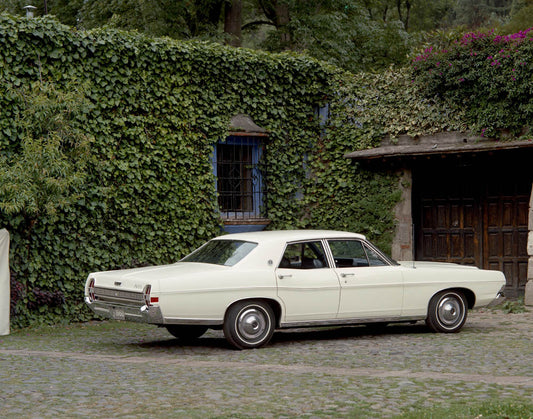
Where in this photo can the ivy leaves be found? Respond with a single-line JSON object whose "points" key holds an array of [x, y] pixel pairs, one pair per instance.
{"points": [[117, 170]]}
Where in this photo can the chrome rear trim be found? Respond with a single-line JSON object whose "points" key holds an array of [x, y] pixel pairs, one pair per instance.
{"points": [[118, 296]]}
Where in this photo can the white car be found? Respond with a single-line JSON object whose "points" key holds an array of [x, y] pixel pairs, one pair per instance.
{"points": [[250, 284]]}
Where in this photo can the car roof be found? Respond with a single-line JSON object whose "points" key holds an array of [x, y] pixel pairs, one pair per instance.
{"points": [[290, 235]]}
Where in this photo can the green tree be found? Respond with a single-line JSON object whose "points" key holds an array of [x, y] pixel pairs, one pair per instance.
{"points": [[342, 33], [48, 171], [521, 17], [481, 13], [358, 35]]}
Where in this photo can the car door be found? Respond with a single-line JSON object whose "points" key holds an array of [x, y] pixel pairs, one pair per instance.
{"points": [[308, 287], [371, 287]]}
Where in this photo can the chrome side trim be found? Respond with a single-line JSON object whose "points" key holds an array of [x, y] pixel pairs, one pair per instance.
{"points": [[199, 322], [341, 322]]}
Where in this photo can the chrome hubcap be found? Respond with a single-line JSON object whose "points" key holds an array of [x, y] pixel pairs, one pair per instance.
{"points": [[450, 311], [251, 324]]}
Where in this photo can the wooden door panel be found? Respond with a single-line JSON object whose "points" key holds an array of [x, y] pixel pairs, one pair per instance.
{"points": [[448, 231], [505, 236], [475, 215]]}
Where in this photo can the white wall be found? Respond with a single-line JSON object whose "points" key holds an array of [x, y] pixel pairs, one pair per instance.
{"points": [[529, 285], [4, 282]]}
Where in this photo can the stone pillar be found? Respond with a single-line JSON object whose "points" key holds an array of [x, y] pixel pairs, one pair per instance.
{"points": [[402, 243], [528, 299]]}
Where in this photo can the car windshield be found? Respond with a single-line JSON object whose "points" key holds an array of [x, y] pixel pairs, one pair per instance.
{"points": [[221, 252]]}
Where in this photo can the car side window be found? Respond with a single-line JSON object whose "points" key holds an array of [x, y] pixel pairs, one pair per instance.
{"points": [[348, 253], [305, 255], [354, 253], [374, 258]]}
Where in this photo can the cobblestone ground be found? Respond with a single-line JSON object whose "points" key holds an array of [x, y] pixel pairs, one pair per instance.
{"points": [[112, 369]]}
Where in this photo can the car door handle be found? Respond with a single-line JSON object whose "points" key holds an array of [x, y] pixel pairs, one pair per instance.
{"points": [[280, 276], [344, 275]]}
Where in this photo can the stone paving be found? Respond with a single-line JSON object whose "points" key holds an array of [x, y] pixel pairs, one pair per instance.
{"points": [[112, 369]]}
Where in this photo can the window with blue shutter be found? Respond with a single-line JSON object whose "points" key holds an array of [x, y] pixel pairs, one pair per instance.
{"points": [[240, 182]]}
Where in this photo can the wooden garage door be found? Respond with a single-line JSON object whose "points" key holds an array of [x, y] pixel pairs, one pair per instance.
{"points": [[474, 213]]}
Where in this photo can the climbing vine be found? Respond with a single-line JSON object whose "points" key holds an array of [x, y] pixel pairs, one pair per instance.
{"points": [[150, 111], [153, 110]]}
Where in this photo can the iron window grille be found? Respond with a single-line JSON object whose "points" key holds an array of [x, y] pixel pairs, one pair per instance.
{"points": [[240, 178]]}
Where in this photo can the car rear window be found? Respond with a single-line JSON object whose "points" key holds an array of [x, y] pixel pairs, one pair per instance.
{"points": [[221, 252]]}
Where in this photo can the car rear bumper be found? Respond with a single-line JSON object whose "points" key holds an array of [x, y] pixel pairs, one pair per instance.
{"points": [[141, 314]]}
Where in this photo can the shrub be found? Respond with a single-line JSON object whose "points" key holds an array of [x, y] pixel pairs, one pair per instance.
{"points": [[490, 75]]}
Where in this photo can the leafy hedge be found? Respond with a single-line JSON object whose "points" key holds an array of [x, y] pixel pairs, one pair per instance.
{"points": [[153, 109]]}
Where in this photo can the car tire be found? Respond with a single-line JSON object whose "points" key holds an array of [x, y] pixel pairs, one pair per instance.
{"points": [[447, 312], [249, 324], [186, 332]]}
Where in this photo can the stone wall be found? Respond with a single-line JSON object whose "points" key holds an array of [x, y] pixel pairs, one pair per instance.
{"points": [[402, 244]]}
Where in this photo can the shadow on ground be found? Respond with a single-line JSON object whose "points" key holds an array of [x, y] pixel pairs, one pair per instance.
{"points": [[281, 338], [289, 336]]}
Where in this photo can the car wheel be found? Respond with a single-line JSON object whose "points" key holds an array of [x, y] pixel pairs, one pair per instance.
{"points": [[249, 324], [447, 312], [186, 332]]}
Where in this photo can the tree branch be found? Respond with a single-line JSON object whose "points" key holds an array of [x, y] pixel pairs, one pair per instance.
{"points": [[257, 23]]}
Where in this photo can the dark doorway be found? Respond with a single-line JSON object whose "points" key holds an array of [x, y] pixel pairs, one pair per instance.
{"points": [[473, 210]]}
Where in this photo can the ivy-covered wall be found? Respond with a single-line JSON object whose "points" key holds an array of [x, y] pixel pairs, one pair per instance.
{"points": [[154, 109]]}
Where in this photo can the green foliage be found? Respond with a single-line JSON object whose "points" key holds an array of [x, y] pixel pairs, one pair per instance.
{"points": [[513, 306], [487, 75], [38, 179], [343, 33], [154, 109], [521, 17], [482, 13], [358, 35], [42, 177]]}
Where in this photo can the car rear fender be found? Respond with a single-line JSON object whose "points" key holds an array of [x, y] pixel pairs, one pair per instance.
{"points": [[275, 305]]}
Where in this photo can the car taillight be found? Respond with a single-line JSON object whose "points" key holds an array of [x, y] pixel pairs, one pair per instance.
{"points": [[91, 289], [146, 295]]}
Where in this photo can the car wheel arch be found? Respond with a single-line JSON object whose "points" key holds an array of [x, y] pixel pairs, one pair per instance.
{"points": [[467, 293], [274, 305]]}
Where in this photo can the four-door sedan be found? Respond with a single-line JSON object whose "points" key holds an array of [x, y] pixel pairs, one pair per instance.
{"points": [[250, 284]]}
